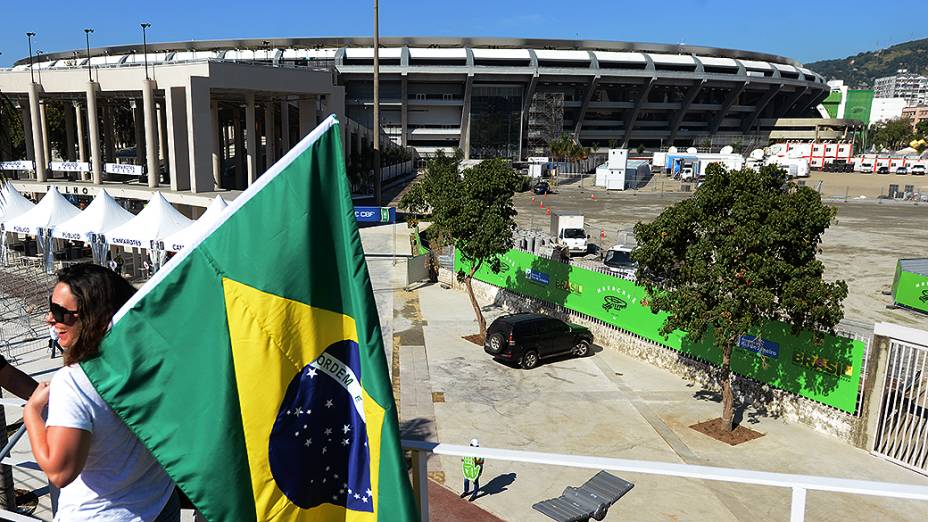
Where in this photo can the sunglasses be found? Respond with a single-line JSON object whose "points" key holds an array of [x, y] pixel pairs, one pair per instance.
{"points": [[61, 314]]}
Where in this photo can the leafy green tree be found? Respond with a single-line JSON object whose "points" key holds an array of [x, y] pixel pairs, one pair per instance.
{"points": [[892, 134], [921, 130], [470, 208], [737, 255]]}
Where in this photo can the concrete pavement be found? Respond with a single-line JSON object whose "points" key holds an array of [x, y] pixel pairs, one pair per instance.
{"points": [[612, 405]]}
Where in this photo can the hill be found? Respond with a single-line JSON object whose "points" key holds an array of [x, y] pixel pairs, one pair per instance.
{"points": [[860, 70]]}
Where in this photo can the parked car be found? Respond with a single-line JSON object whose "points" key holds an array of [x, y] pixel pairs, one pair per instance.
{"points": [[527, 338], [542, 187], [902, 170], [918, 170], [882, 170]]}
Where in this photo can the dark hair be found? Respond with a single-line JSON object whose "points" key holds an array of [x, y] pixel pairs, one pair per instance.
{"points": [[100, 293]]}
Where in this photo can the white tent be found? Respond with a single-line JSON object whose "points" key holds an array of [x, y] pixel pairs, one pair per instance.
{"points": [[155, 222], [12, 203], [53, 210], [102, 215], [189, 235]]}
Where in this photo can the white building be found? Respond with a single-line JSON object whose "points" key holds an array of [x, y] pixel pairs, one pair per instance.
{"points": [[912, 87], [885, 109]]}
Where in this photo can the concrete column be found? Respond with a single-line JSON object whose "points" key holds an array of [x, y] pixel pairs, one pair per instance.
{"points": [[335, 103], [175, 104], [138, 120], [27, 132], [109, 132], [38, 140], [68, 134], [151, 135], [284, 127], [239, 146], [307, 116], [81, 148], [200, 135], [162, 133], [217, 153], [46, 145], [93, 134], [270, 147], [251, 138], [404, 110]]}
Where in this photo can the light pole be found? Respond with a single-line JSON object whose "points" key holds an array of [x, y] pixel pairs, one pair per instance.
{"points": [[145, 47], [87, 38], [29, 36], [38, 55], [378, 189]]}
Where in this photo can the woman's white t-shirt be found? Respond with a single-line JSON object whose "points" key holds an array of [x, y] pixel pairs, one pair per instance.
{"points": [[120, 481]]}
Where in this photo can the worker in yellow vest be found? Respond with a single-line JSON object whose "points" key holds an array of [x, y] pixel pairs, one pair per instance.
{"points": [[472, 467]]}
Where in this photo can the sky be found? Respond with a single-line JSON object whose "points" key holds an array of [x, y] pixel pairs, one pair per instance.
{"points": [[802, 30]]}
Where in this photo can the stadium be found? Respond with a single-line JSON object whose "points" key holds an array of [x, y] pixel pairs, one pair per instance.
{"points": [[199, 102]]}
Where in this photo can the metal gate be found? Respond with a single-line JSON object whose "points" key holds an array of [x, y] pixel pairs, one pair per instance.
{"points": [[902, 433]]}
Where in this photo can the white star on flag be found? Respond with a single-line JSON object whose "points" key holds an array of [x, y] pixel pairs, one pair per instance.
{"points": [[311, 372], [346, 428], [328, 403]]}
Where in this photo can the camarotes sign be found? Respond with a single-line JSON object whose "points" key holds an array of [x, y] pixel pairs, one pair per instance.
{"points": [[828, 373], [69, 166], [121, 168]]}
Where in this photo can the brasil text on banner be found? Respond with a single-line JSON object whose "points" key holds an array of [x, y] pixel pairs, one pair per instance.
{"points": [[252, 365]]}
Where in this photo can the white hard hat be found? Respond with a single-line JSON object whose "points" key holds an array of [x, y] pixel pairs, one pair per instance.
{"points": [[474, 442]]}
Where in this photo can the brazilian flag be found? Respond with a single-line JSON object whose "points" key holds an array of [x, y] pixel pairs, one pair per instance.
{"points": [[252, 365]]}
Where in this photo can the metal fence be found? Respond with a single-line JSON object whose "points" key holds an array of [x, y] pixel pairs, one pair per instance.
{"points": [[797, 484], [24, 292]]}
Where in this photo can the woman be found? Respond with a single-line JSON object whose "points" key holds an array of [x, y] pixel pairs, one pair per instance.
{"points": [[103, 470]]}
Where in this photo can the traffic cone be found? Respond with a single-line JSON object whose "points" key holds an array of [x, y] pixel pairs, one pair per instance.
{"points": [[548, 212], [541, 204], [593, 197], [533, 198]]}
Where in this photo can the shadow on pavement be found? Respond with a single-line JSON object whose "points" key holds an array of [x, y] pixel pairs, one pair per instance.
{"points": [[497, 485]]}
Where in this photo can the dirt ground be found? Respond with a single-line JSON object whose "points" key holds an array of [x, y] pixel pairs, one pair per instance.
{"points": [[861, 247]]}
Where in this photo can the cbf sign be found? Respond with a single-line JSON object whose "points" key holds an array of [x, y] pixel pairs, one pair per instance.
{"points": [[375, 214]]}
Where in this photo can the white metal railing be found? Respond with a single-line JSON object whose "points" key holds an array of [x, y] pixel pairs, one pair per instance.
{"points": [[798, 484]]}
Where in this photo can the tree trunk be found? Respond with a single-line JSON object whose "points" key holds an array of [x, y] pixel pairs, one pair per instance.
{"points": [[468, 282], [728, 399]]}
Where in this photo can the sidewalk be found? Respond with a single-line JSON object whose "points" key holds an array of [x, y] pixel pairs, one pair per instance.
{"points": [[612, 405]]}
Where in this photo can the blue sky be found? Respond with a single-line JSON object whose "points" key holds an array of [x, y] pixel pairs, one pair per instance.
{"points": [[803, 30]]}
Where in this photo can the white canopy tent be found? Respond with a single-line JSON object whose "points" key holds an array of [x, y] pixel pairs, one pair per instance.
{"points": [[41, 219], [12, 205], [158, 220], [180, 240], [94, 223]]}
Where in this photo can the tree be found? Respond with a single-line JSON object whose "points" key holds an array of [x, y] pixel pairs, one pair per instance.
{"points": [[921, 130], [471, 208], [892, 134], [739, 254]]}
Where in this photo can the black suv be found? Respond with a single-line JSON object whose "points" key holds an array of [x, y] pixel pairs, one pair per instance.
{"points": [[527, 338], [542, 187]]}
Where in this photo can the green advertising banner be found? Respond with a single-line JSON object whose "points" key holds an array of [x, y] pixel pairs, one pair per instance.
{"points": [[828, 373], [910, 288]]}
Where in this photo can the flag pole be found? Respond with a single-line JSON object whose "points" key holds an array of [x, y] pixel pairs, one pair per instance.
{"points": [[378, 182]]}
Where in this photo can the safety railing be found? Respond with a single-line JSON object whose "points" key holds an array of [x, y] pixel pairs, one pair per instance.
{"points": [[798, 484]]}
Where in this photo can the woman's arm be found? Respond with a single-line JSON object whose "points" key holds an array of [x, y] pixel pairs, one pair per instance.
{"points": [[60, 452]]}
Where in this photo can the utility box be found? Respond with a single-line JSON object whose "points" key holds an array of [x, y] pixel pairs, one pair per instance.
{"points": [[910, 285], [618, 158]]}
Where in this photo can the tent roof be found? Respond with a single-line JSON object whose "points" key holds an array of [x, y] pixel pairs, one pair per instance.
{"points": [[187, 236], [155, 222], [12, 203], [102, 215], [53, 210]]}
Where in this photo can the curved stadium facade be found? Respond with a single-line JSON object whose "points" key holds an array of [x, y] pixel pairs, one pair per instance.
{"points": [[508, 97]]}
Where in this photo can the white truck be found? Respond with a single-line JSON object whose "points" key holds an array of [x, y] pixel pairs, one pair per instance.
{"points": [[569, 231], [619, 260]]}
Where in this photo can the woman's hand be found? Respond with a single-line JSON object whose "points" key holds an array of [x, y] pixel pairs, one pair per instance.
{"points": [[39, 398]]}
